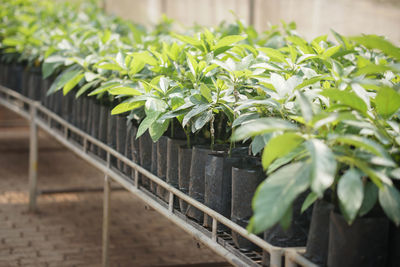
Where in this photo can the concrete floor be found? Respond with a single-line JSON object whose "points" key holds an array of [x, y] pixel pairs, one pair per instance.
{"points": [[67, 229]]}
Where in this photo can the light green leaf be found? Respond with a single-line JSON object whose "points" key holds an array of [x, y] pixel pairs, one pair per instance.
{"points": [[196, 111], [261, 126], [279, 146], [350, 192], [283, 185], [305, 106], [61, 80], [206, 92], [273, 54], [346, 98], [73, 82], [104, 87], [228, 40], [377, 42], [323, 166], [124, 90], [360, 142], [389, 198], [125, 107], [387, 102], [202, 120], [157, 129]]}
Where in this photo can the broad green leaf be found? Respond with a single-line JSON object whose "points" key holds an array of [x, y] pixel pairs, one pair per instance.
{"points": [[273, 54], [261, 126], [331, 51], [147, 122], [312, 81], [350, 192], [377, 42], [136, 66], [370, 198], [323, 166], [61, 80], [202, 120], [305, 106], [286, 220], [360, 142], [296, 154], [228, 40], [73, 82], [284, 185], [389, 198], [157, 129], [125, 107], [373, 69], [110, 66], [104, 87], [124, 90], [84, 88], [346, 98], [196, 111], [310, 199], [206, 92], [192, 63], [387, 102], [279, 146]]}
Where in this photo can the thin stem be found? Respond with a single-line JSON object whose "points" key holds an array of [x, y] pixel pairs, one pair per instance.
{"points": [[212, 132]]}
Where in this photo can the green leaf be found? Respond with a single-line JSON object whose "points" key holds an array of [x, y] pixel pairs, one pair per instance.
{"points": [[311, 198], [283, 185], [73, 82], [104, 87], [206, 92], [125, 107], [389, 198], [360, 142], [377, 42], [273, 54], [84, 88], [157, 129], [305, 106], [346, 98], [202, 120], [286, 220], [147, 122], [261, 126], [370, 198], [373, 69], [331, 51], [311, 81], [350, 192], [136, 66], [323, 166], [387, 102], [228, 40], [279, 146], [196, 111], [61, 80], [124, 90]]}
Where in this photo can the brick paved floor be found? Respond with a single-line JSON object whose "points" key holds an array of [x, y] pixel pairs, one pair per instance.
{"points": [[67, 229]]}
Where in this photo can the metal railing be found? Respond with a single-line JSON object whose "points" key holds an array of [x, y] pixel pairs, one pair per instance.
{"points": [[40, 116]]}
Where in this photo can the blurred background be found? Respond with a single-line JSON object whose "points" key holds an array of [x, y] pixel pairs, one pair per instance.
{"points": [[313, 17]]}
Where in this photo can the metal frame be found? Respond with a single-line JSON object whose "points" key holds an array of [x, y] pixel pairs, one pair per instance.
{"points": [[41, 117]]}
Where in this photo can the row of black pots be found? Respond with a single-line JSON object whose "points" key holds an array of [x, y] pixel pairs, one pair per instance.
{"points": [[223, 182], [368, 241]]}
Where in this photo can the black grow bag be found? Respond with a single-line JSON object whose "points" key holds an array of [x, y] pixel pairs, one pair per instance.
{"points": [[121, 130], [172, 176], [184, 163], [145, 152], [364, 243], [162, 147], [246, 176], [218, 182], [318, 236]]}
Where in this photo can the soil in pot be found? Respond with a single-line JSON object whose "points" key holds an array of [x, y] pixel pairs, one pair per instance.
{"points": [[363, 243], [246, 176], [318, 236], [184, 163], [218, 182], [296, 234]]}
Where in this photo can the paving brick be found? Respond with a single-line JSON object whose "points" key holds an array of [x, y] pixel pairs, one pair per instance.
{"points": [[67, 229]]}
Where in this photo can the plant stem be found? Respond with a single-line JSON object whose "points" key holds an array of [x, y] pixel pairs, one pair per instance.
{"points": [[212, 132]]}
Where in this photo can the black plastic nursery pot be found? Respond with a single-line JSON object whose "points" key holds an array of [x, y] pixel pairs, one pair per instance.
{"points": [[218, 182], [172, 176], [16, 77], [127, 149], [394, 246], [121, 130], [102, 135], [184, 163], [153, 165], [196, 183], [111, 135], [135, 145], [318, 236], [145, 156], [246, 176], [296, 234], [162, 149], [363, 243], [34, 83]]}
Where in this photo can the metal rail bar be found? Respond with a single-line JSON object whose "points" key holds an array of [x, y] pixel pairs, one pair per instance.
{"points": [[16, 102]]}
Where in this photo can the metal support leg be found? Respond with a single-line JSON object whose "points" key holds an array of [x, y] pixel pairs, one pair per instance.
{"points": [[33, 159], [106, 221]]}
